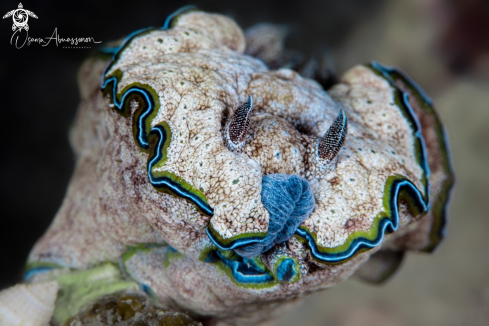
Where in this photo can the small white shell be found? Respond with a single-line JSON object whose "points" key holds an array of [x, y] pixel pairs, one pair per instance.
{"points": [[28, 304]]}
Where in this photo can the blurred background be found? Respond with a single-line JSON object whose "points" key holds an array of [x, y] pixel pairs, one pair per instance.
{"points": [[442, 44]]}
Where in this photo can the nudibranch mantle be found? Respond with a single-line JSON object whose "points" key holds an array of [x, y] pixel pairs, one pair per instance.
{"points": [[155, 168], [384, 139]]}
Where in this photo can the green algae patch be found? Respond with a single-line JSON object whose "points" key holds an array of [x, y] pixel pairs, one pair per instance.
{"points": [[171, 254], [80, 288], [141, 247]]}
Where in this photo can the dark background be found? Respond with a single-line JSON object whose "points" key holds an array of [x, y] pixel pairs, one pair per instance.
{"points": [[443, 44]]}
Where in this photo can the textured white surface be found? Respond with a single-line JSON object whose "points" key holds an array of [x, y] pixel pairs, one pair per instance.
{"points": [[28, 304]]}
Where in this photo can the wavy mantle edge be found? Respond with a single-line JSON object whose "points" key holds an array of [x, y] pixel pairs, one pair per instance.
{"points": [[439, 205], [302, 232]]}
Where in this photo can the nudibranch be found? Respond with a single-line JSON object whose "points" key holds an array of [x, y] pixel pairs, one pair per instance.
{"points": [[220, 187]]}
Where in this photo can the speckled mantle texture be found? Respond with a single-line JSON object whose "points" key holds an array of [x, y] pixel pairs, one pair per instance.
{"points": [[156, 134]]}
